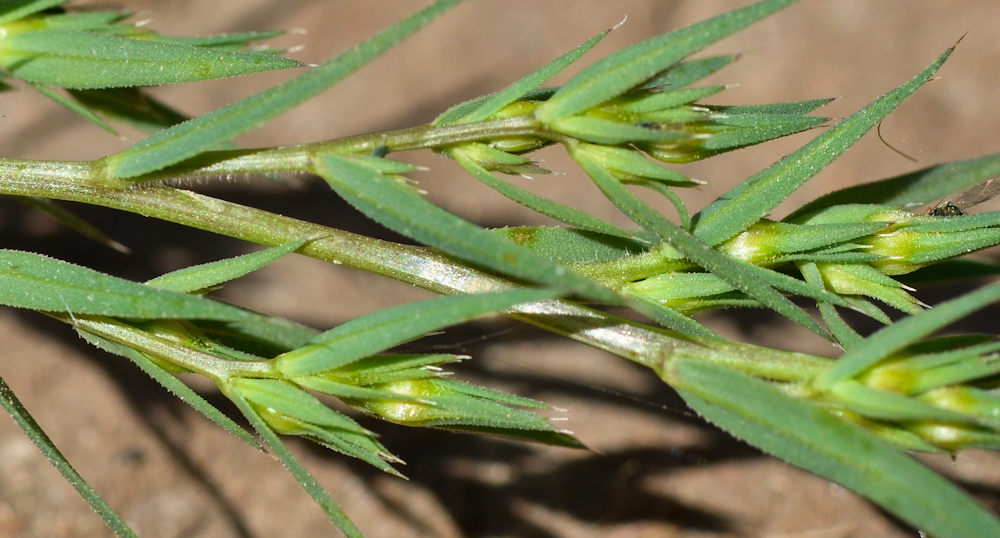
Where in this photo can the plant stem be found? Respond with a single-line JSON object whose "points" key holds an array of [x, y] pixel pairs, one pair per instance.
{"points": [[422, 267]]}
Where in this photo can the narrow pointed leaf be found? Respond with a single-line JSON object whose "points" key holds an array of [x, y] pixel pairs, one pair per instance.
{"points": [[530, 82], [69, 58], [670, 318], [74, 106], [38, 437], [754, 281], [688, 72], [632, 66], [11, 10], [924, 186], [897, 336], [794, 108], [550, 208], [401, 209], [214, 273], [294, 466], [753, 199], [133, 107], [805, 435], [72, 221], [387, 328], [171, 383], [191, 138], [37, 282]]}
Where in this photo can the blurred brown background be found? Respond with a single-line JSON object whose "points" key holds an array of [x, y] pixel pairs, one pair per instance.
{"points": [[655, 470]]}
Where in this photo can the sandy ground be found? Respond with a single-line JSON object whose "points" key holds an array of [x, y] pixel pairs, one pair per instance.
{"points": [[655, 470]]}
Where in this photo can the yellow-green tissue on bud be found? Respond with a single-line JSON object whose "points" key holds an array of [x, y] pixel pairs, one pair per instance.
{"points": [[453, 405], [936, 395], [289, 410], [493, 159]]}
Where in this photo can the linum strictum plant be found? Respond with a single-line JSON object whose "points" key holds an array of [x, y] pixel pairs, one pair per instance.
{"points": [[623, 120]]}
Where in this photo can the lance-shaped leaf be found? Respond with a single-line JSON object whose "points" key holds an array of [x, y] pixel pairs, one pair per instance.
{"points": [[167, 381], [402, 209], [897, 336], [384, 329], [39, 438], [515, 91], [69, 58], [133, 107], [921, 187], [11, 10], [809, 437], [548, 207], [210, 274], [37, 282], [756, 282], [193, 137], [753, 199], [294, 466], [634, 65]]}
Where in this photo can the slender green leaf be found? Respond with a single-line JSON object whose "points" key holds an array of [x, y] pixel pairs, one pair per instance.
{"points": [[27, 423], [84, 20], [168, 381], [632, 66], [294, 466], [689, 72], [259, 334], [12, 10], [454, 112], [211, 274], [794, 108], [72, 221], [568, 245], [227, 41], [809, 437], [754, 281], [193, 137], [530, 82], [37, 282], [921, 187], [74, 106], [390, 327], [133, 107], [670, 318], [753, 199], [400, 208], [897, 336], [77, 59], [951, 271], [550, 208], [846, 336]]}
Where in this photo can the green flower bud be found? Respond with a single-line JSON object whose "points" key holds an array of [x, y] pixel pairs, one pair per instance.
{"points": [[289, 410], [495, 160], [629, 166], [863, 279]]}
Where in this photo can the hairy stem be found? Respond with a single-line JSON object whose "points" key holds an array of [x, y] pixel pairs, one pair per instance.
{"points": [[422, 267]]}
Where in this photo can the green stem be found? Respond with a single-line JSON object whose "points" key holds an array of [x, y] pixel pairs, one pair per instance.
{"points": [[299, 158], [418, 266], [193, 360]]}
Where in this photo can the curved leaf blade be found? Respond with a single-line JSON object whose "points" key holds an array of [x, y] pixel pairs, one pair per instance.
{"points": [[753, 199], [190, 138], [38, 437], [211, 274], [390, 327], [808, 437], [638, 63], [400, 208], [38, 282], [69, 58]]}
